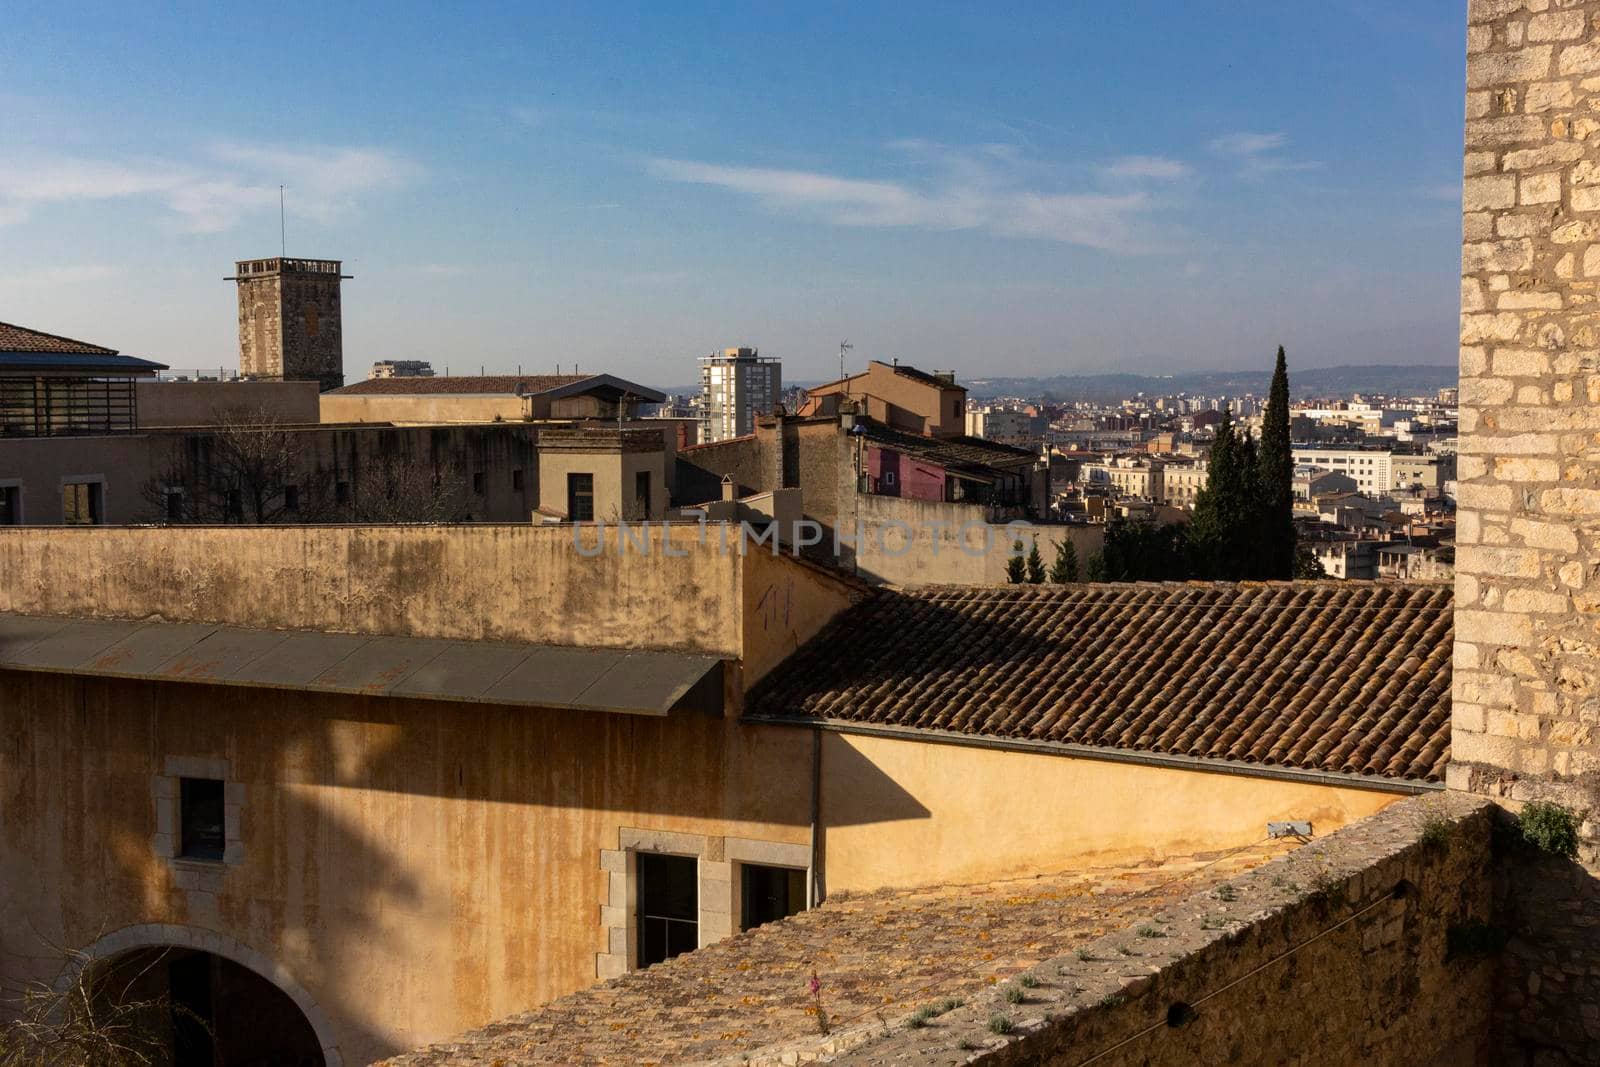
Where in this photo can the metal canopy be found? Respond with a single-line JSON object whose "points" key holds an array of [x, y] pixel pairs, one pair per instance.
{"points": [[629, 681]]}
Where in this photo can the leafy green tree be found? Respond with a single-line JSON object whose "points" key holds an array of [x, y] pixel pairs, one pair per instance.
{"points": [[1065, 567], [1035, 564], [1222, 533], [1275, 462], [1141, 551], [1095, 569], [1015, 573], [1306, 563]]}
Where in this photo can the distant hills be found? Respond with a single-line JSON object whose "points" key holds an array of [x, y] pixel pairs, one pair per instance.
{"points": [[1390, 379], [1320, 381]]}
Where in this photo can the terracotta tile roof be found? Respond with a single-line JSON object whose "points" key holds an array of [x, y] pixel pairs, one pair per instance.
{"points": [[465, 383], [1323, 676], [877, 956], [21, 339]]}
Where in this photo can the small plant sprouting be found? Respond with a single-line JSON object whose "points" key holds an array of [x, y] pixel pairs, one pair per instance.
{"points": [[920, 1018], [1213, 922], [1083, 953], [1328, 886], [1027, 981], [948, 1004], [1148, 930], [965, 1046], [1436, 831], [1111, 1000], [999, 1024], [1551, 827], [1015, 995], [1125, 950], [1226, 892]]}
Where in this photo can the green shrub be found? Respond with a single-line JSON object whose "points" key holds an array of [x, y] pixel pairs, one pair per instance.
{"points": [[1551, 827], [999, 1024], [1015, 995]]}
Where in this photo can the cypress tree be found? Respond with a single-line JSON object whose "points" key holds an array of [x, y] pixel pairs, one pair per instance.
{"points": [[1065, 567], [1220, 533], [1276, 464], [1015, 573], [1035, 564]]}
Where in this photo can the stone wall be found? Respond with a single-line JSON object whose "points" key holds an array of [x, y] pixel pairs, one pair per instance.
{"points": [[1365, 947], [1528, 557]]}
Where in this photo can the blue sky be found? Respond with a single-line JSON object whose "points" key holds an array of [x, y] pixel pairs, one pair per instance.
{"points": [[1060, 188]]}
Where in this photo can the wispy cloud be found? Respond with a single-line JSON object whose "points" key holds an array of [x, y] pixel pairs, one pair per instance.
{"points": [[1257, 153], [66, 274], [212, 193], [983, 190], [1158, 168]]}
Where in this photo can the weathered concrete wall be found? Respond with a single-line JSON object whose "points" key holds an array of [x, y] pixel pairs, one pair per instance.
{"points": [[201, 403], [430, 409], [1528, 534], [670, 587], [1362, 948], [417, 868], [919, 542], [982, 814], [520, 583], [129, 465]]}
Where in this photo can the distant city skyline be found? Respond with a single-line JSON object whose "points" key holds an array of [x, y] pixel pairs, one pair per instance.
{"points": [[1155, 188]]}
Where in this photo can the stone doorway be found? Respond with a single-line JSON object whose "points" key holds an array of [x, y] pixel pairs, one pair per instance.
{"points": [[209, 1011]]}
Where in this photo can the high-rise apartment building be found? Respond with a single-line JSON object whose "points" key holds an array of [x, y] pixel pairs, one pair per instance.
{"points": [[736, 385]]}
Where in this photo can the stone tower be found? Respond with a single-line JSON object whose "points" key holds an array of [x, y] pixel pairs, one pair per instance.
{"points": [[289, 322], [1526, 716]]}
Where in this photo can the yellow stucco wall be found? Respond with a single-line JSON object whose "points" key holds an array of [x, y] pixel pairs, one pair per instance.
{"points": [[906, 813], [422, 408], [419, 868]]}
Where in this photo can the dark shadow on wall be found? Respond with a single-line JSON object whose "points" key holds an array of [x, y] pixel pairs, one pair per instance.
{"points": [[1547, 985]]}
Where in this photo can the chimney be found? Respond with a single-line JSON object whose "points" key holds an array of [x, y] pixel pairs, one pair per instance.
{"points": [[777, 449], [730, 491]]}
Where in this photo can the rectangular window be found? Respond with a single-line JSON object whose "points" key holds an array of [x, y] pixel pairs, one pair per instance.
{"points": [[477, 482], [10, 505], [768, 894], [341, 492], [641, 493], [174, 502], [669, 906], [201, 821], [80, 504], [291, 498], [580, 497], [516, 479]]}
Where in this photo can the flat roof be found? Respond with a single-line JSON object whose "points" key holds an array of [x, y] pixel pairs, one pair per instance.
{"points": [[628, 681]]}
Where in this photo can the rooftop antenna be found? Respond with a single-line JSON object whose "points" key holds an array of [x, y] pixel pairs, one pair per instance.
{"points": [[283, 227], [844, 346]]}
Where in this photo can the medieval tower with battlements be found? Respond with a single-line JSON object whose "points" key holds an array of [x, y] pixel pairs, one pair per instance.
{"points": [[289, 320]]}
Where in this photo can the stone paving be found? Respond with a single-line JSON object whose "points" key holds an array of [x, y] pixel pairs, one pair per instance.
{"points": [[874, 957]]}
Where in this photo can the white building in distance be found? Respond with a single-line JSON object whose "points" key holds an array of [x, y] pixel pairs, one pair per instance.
{"points": [[736, 385]]}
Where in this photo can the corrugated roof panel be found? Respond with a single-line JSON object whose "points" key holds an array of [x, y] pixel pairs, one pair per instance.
{"points": [[73, 643], [463, 668], [380, 664], [220, 654], [557, 675], [299, 659]]}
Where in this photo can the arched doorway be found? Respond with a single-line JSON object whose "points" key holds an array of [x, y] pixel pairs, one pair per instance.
{"points": [[205, 1010]]}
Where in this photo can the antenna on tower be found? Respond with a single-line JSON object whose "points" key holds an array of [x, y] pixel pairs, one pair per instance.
{"points": [[844, 346], [283, 228]]}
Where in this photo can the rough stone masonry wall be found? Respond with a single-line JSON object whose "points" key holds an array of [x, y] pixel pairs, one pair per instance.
{"points": [[1361, 948], [1527, 661]]}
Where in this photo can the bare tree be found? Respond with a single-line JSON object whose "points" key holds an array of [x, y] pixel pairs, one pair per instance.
{"points": [[392, 489], [73, 1020], [250, 467]]}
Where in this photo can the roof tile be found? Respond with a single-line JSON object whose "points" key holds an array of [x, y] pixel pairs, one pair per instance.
{"points": [[1348, 677]]}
